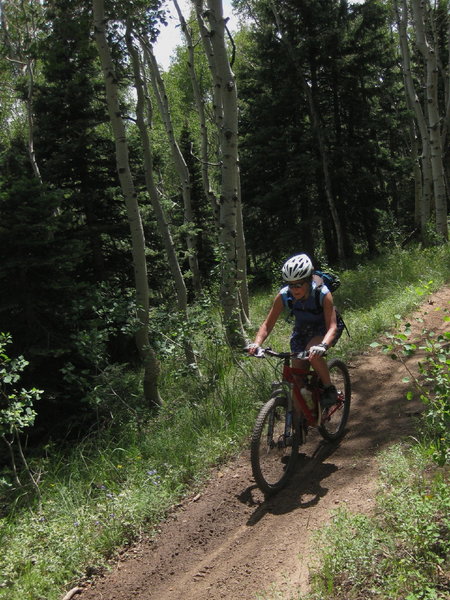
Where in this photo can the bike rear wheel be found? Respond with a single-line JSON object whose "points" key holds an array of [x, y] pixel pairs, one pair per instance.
{"points": [[335, 419], [273, 456]]}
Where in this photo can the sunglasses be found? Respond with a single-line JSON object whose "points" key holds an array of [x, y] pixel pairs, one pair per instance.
{"points": [[298, 284]]}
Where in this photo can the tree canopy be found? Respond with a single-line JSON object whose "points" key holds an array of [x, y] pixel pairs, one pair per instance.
{"points": [[320, 126]]}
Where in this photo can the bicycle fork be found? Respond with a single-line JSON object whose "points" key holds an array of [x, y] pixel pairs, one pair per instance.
{"points": [[295, 422], [284, 390]]}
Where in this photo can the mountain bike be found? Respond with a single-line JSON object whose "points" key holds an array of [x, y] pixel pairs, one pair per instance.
{"points": [[283, 422]]}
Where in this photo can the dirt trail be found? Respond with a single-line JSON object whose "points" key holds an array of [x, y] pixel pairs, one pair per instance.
{"points": [[228, 542]]}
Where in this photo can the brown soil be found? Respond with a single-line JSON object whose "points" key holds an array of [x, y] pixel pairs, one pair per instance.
{"points": [[229, 542]]}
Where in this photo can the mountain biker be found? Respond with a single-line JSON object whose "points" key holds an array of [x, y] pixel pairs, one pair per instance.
{"points": [[314, 330]]}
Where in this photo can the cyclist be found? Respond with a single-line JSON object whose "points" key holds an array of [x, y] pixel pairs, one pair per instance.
{"points": [[314, 330]]}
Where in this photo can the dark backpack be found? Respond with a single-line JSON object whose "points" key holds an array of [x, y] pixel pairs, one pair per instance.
{"points": [[331, 280]]}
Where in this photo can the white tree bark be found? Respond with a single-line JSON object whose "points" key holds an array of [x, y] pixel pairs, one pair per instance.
{"points": [[241, 256], [151, 366], [178, 159], [160, 215], [412, 99], [200, 107], [429, 50], [226, 110], [19, 54]]}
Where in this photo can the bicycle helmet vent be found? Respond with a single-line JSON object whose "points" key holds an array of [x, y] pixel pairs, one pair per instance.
{"points": [[297, 267]]}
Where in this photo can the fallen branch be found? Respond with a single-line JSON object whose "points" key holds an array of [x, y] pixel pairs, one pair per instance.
{"points": [[72, 592]]}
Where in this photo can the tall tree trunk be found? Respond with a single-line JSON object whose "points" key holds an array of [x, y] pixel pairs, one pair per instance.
{"points": [[151, 365], [200, 107], [160, 215], [415, 106], [218, 112], [446, 124], [420, 217], [30, 119], [429, 50], [20, 53], [225, 99], [178, 159], [241, 252]]}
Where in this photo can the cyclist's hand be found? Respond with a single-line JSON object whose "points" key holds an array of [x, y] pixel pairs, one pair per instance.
{"points": [[318, 350], [254, 350]]}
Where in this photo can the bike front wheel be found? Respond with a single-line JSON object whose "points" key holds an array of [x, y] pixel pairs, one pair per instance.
{"points": [[274, 447], [335, 418]]}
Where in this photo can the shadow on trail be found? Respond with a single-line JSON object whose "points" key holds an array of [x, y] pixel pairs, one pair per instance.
{"points": [[304, 489], [379, 416]]}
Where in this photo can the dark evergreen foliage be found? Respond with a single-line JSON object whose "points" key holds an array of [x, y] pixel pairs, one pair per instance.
{"points": [[347, 55], [66, 271], [67, 254]]}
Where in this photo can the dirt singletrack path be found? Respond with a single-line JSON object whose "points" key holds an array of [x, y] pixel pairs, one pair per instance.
{"points": [[228, 542]]}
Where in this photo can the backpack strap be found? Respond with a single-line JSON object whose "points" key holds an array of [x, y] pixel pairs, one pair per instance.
{"points": [[288, 302], [317, 295]]}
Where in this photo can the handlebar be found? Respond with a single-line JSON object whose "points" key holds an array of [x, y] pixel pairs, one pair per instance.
{"points": [[262, 352]]}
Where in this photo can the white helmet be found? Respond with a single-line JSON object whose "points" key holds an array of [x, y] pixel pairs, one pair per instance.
{"points": [[297, 267]]}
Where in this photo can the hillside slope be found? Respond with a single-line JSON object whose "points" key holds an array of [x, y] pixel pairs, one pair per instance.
{"points": [[227, 542]]}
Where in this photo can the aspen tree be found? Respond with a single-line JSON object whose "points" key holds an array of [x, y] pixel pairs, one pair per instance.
{"points": [[151, 365], [231, 243], [143, 108]]}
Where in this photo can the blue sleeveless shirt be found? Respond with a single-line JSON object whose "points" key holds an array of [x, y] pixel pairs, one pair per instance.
{"points": [[309, 319]]}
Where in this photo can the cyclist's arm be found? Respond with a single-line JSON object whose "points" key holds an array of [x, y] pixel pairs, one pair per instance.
{"points": [[271, 319], [330, 319]]}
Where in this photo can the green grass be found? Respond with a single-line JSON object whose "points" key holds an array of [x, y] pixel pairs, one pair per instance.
{"points": [[400, 553], [120, 481]]}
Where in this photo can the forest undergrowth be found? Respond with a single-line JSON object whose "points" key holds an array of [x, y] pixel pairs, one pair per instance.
{"points": [[121, 479]]}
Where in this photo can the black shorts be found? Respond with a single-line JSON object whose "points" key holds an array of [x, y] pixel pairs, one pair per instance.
{"points": [[300, 339]]}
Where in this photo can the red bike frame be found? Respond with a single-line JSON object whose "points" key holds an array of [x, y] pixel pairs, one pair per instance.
{"points": [[299, 377]]}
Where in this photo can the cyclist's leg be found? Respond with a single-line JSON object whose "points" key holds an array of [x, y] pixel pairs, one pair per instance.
{"points": [[318, 363]]}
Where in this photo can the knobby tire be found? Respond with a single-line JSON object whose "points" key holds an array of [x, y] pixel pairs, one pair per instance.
{"points": [[272, 461], [333, 426]]}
